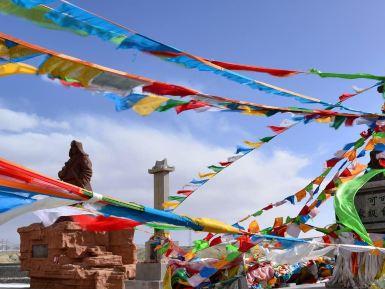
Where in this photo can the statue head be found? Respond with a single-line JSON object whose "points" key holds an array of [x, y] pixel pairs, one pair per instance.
{"points": [[76, 149]]}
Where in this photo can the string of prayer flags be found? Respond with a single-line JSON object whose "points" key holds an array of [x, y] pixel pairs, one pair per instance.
{"points": [[67, 16], [308, 212], [19, 186], [346, 96], [240, 152], [119, 86]]}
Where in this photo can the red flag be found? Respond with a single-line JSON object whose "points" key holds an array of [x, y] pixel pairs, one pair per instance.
{"points": [[245, 244], [192, 104], [208, 237], [330, 185], [366, 133], [73, 84], [280, 231], [268, 207], [349, 120], [235, 66], [332, 162], [216, 241], [346, 96], [326, 239], [271, 71], [103, 224], [346, 173], [277, 129], [305, 210], [185, 192], [168, 89], [225, 164]]}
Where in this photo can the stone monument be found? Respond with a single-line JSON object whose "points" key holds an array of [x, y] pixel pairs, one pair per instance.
{"points": [[63, 256], [370, 199], [149, 274]]}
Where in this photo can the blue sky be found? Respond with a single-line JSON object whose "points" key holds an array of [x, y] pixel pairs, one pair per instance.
{"points": [[338, 36]]}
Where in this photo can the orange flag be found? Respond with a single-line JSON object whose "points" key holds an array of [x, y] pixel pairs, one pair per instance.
{"points": [[300, 195], [278, 222], [305, 228], [351, 155], [254, 227]]}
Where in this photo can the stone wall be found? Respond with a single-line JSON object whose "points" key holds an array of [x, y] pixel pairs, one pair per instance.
{"points": [[64, 256]]}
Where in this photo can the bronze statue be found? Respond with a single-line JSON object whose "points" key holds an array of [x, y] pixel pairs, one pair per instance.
{"points": [[374, 162], [78, 169]]}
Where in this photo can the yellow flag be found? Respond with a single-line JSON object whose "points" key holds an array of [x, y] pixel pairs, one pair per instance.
{"points": [[253, 145], [248, 111], [66, 69], [170, 204], [215, 226], [189, 255], [17, 51], [206, 175], [16, 68], [167, 279], [346, 179], [324, 119], [147, 105]]}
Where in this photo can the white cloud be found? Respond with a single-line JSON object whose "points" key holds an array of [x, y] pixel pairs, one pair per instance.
{"points": [[19, 121], [122, 153]]}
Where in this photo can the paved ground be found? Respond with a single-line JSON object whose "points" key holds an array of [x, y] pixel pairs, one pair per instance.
{"points": [[309, 286]]}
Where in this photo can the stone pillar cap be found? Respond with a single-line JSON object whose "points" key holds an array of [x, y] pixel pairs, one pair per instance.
{"points": [[161, 166]]}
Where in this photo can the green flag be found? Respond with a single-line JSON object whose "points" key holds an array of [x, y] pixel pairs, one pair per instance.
{"points": [[216, 169], [347, 75], [267, 138], [344, 204], [170, 104]]}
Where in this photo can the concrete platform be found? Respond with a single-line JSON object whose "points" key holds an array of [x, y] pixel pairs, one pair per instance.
{"points": [[310, 286], [14, 286]]}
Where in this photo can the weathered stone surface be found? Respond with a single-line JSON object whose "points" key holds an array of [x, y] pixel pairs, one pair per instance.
{"points": [[77, 259], [370, 204]]}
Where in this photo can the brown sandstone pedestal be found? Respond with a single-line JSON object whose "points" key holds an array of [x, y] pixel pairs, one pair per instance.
{"points": [[64, 256]]}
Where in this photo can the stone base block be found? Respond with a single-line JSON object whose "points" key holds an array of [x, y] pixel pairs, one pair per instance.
{"points": [[142, 284], [150, 271]]}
